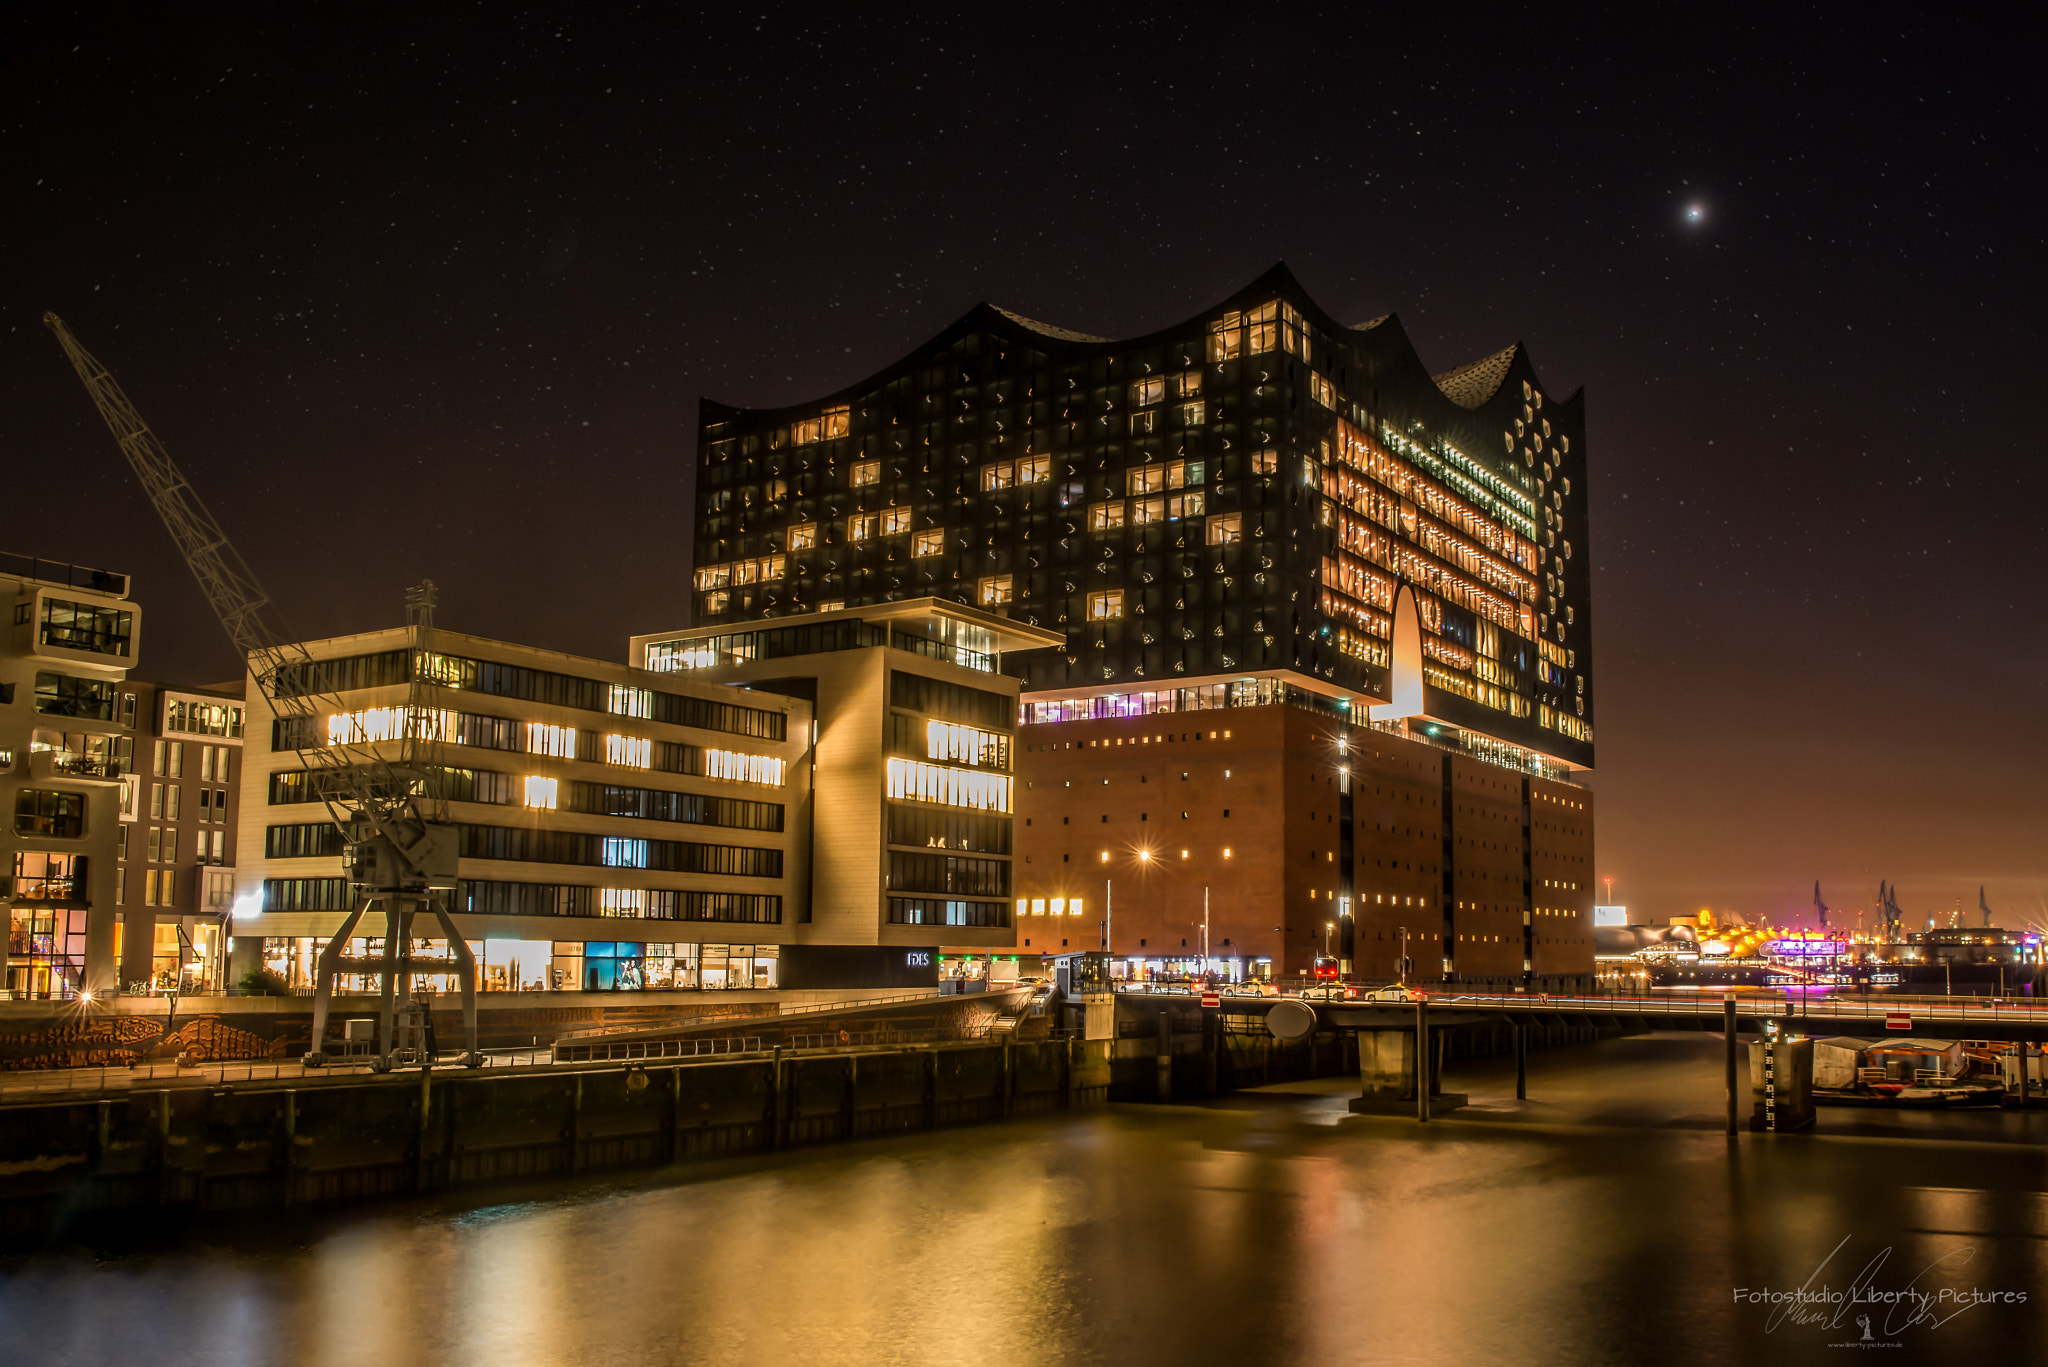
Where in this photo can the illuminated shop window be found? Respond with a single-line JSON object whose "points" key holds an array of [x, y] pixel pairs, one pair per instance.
{"points": [[1106, 604]]}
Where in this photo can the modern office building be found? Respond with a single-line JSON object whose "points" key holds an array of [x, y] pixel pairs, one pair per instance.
{"points": [[618, 830], [73, 638], [180, 807], [1364, 588], [913, 839]]}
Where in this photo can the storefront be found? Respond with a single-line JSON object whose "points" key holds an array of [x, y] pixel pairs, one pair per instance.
{"points": [[550, 965]]}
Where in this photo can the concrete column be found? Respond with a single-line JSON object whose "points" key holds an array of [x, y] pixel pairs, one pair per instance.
{"points": [[1165, 1057], [1386, 1065], [138, 944], [1728, 1027]]}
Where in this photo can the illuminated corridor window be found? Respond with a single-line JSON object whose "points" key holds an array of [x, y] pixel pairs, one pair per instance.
{"points": [[543, 739], [916, 782], [993, 590], [867, 472], [1226, 529], [635, 752], [1109, 603], [540, 792], [928, 543], [803, 538]]}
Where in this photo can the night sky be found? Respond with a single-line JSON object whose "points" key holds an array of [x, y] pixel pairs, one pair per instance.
{"points": [[433, 291]]}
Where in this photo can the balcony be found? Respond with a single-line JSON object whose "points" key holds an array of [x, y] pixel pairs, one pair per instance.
{"points": [[69, 764], [67, 891]]}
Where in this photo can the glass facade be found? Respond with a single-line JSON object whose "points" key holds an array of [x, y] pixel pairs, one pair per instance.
{"points": [[1247, 493]]}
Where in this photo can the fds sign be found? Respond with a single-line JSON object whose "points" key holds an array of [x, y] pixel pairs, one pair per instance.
{"points": [[918, 958]]}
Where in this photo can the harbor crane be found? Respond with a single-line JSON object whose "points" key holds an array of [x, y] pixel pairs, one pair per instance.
{"points": [[1820, 908], [393, 832]]}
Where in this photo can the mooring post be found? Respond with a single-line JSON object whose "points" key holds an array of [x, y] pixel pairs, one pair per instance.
{"points": [[1422, 1078], [1728, 1027], [1521, 1064]]}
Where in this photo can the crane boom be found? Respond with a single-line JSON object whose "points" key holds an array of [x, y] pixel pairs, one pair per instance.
{"points": [[398, 845], [231, 587]]}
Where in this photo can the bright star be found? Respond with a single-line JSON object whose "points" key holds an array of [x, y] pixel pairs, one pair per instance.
{"points": [[1694, 213]]}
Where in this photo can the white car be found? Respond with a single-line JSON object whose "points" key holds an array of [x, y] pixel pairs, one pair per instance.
{"points": [[1392, 992]]}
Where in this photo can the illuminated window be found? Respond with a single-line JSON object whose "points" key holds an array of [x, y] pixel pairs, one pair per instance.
{"points": [[1193, 414], [716, 602], [861, 527], [993, 591], [1105, 517], [713, 576], [1106, 604], [540, 792], [621, 902], [1320, 390], [738, 768], [1145, 479], [1038, 906], [1145, 511], [1149, 390], [1059, 906], [543, 739], [916, 781], [635, 752], [1188, 384], [895, 521], [932, 542], [1034, 470], [867, 472], [1185, 505], [1265, 462], [801, 538], [998, 476], [1226, 529], [628, 701], [960, 744], [1074, 905], [619, 852]]}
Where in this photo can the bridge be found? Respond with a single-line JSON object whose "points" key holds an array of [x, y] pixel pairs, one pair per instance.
{"points": [[1394, 1036]]}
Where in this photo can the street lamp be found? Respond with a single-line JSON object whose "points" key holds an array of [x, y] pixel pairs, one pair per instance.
{"points": [[1328, 928], [1109, 905]]}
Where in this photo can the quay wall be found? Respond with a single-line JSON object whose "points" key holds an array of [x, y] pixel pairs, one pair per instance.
{"points": [[67, 1165]]}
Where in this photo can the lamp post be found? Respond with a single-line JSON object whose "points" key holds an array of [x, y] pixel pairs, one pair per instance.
{"points": [[1329, 927], [1109, 909]]}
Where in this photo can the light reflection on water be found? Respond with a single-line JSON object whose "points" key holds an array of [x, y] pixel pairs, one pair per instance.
{"points": [[1606, 1221]]}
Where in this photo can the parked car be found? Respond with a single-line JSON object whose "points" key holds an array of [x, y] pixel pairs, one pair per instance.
{"points": [[1392, 992], [1329, 992]]}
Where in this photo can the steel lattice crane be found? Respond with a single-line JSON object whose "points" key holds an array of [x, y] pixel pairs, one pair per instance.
{"points": [[399, 847]]}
